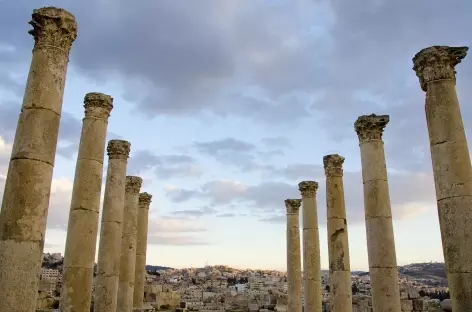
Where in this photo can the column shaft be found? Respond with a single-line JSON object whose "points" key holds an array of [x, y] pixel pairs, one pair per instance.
{"points": [[79, 256], [451, 166], [141, 248], [378, 215], [128, 245], [28, 184], [338, 244], [108, 265], [294, 265], [312, 289]]}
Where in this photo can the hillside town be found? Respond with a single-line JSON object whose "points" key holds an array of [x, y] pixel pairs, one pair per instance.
{"points": [[222, 288]]}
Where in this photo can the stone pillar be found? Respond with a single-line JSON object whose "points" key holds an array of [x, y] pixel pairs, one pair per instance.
{"points": [[435, 67], [28, 184], [312, 289], [109, 252], [141, 248], [294, 262], [338, 246], [128, 245], [81, 241], [378, 214]]}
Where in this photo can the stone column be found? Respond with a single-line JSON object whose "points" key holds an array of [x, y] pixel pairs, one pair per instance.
{"points": [[378, 214], [141, 248], [28, 184], [81, 241], [294, 262], [338, 246], [109, 252], [128, 245], [312, 289], [435, 67]]}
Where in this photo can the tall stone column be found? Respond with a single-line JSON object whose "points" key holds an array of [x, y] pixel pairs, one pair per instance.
{"points": [[109, 252], [128, 245], [312, 289], [338, 244], [141, 248], [28, 184], [378, 214], [81, 241], [294, 262], [435, 67]]}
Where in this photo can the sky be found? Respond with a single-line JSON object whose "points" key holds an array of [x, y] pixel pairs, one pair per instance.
{"points": [[228, 105]]}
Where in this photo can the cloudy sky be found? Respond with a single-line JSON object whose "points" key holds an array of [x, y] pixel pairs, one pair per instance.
{"points": [[228, 104]]}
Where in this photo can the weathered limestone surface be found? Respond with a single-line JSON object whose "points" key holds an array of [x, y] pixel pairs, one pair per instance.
{"points": [[378, 214], [435, 67], [128, 245], [294, 263], [28, 183], [312, 288], [79, 256], [338, 245], [141, 248], [109, 252]]}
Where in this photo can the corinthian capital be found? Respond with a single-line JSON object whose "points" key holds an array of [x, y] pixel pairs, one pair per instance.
{"points": [[437, 63], [370, 127], [308, 188], [145, 200], [53, 27], [118, 149], [133, 184], [333, 165], [293, 205], [98, 105]]}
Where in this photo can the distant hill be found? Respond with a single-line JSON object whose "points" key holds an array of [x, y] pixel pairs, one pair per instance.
{"points": [[427, 270], [157, 268]]}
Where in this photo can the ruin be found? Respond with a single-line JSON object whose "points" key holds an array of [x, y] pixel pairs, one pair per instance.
{"points": [[109, 251], [338, 245], [435, 68], [312, 291], [28, 184], [128, 245], [294, 262], [383, 269]]}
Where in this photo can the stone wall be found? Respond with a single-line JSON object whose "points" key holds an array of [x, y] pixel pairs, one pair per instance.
{"points": [[159, 295]]}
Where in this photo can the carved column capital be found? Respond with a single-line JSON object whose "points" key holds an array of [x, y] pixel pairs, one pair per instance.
{"points": [[293, 205], [133, 184], [437, 63], [145, 200], [308, 188], [118, 149], [333, 165], [53, 27], [371, 127], [98, 105]]}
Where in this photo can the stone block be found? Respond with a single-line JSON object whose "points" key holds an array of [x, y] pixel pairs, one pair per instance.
{"points": [[419, 304], [406, 305]]}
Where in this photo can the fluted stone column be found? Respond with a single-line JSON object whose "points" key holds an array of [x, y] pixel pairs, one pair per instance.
{"points": [[141, 248], [435, 67], [28, 183], [294, 262], [338, 245], [79, 256], [378, 214], [109, 252], [312, 289], [128, 245]]}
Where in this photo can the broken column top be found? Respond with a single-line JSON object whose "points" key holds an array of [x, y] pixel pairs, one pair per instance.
{"points": [[333, 165], [133, 184], [370, 127], [437, 63], [118, 149], [98, 105], [145, 199], [53, 27], [308, 188], [293, 205]]}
